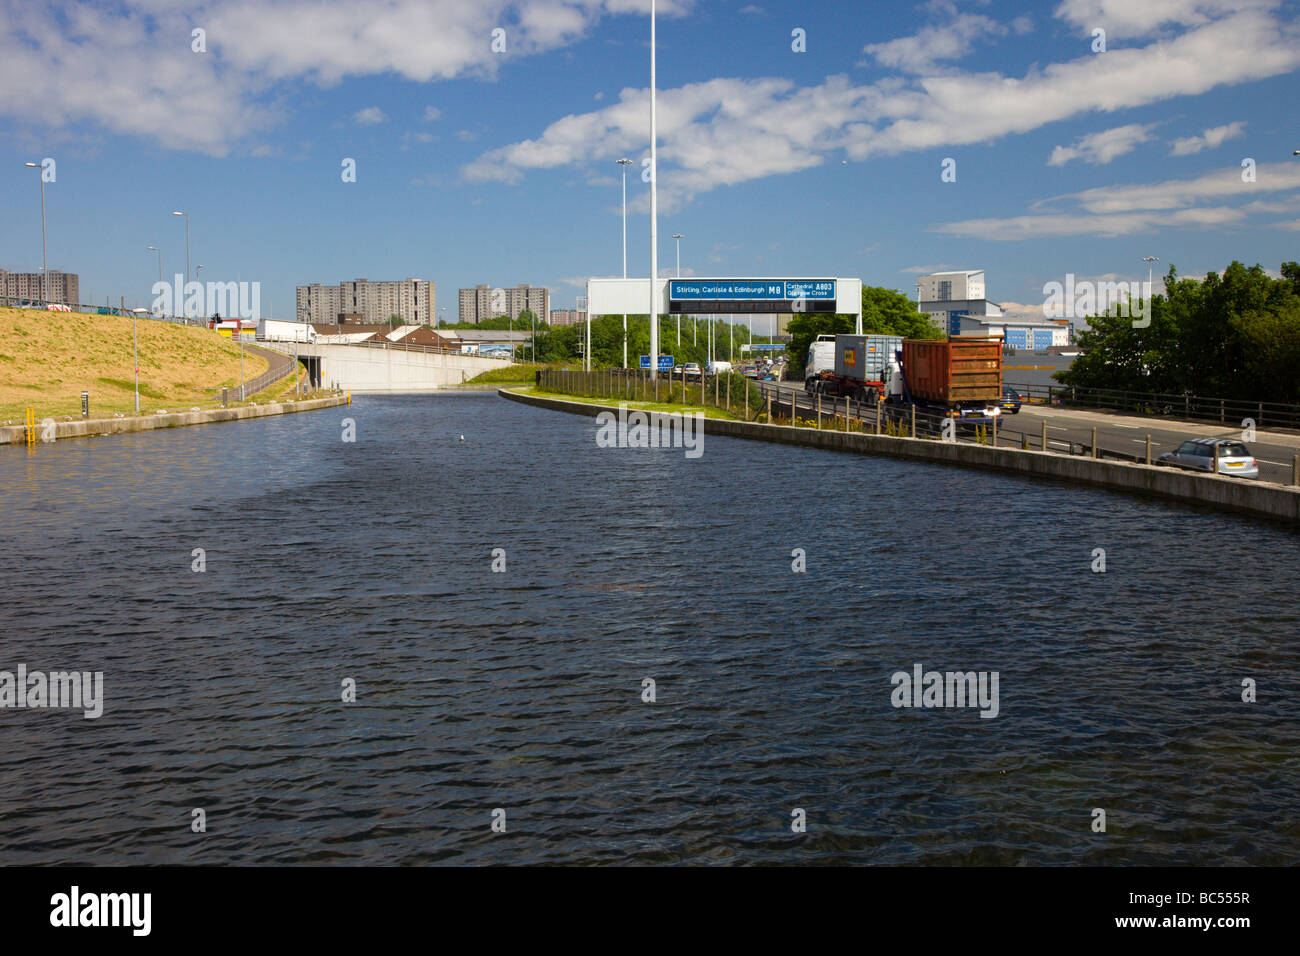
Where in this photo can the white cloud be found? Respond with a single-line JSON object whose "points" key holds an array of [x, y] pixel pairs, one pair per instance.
{"points": [[1100, 148], [1211, 138], [714, 133], [922, 51], [729, 131], [1219, 184], [1274, 206], [370, 116], [1140, 208], [1021, 310], [431, 113], [127, 67], [926, 270], [1139, 18]]}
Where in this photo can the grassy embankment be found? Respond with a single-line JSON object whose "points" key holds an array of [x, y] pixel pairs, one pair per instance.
{"points": [[510, 375], [48, 358]]}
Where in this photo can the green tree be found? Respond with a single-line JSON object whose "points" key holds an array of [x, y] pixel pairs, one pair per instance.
{"points": [[889, 312], [1235, 336], [884, 312]]}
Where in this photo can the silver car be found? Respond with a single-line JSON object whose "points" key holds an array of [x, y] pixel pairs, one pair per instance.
{"points": [[1198, 454]]}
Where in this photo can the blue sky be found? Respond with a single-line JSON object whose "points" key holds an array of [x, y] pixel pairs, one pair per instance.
{"points": [[498, 167]]}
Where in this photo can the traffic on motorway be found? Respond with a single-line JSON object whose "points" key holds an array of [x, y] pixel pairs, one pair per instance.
{"points": [[867, 368]]}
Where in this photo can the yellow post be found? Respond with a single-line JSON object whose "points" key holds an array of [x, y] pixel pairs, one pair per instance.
{"points": [[31, 426], [349, 396]]}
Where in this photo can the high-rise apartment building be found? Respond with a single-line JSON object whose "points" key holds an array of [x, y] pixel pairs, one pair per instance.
{"points": [[28, 285], [412, 300], [485, 302], [568, 316]]}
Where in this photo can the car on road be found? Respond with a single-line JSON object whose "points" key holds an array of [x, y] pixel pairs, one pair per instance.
{"points": [[691, 370], [1198, 455], [1010, 400]]}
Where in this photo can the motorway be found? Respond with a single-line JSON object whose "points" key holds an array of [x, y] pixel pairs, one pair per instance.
{"points": [[1070, 431]]}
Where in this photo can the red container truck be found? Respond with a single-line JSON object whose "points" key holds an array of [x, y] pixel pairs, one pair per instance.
{"points": [[958, 378]]}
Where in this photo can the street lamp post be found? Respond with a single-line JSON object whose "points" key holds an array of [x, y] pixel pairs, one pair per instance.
{"points": [[625, 163], [584, 303], [1150, 275], [45, 266], [198, 269], [677, 238], [159, 251], [654, 211], [135, 355], [185, 292]]}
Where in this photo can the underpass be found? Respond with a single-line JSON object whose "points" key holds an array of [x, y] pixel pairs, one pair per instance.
{"points": [[386, 366]]}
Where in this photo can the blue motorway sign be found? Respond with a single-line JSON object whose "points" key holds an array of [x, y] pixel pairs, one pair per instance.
{"points": [[665, 362], [770, 289]]}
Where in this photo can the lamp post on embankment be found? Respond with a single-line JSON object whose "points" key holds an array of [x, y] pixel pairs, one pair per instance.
{"points": [[624, 163], [45, 267]]}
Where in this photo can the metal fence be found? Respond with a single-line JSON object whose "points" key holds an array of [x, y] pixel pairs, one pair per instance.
{"points": [[789, 404], [793, 406], [91, 309], [267, 378], [1225, 411], [729, 392]]}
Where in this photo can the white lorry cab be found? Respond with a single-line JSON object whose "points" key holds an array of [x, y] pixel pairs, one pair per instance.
{"points": [[821, 358]]}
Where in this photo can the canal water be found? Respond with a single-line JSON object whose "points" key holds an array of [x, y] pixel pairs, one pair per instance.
{"points": [[522, 690]]}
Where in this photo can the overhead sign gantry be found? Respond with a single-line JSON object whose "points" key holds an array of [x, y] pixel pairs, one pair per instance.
{"points": [[728, 296], [736, 296]]}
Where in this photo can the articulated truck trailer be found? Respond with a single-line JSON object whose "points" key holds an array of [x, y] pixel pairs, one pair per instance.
{"points": [[852, 365], [960, 378]]}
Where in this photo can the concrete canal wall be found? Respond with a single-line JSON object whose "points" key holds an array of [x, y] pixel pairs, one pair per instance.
{"points": [[1235, 494], [17, 434]]}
